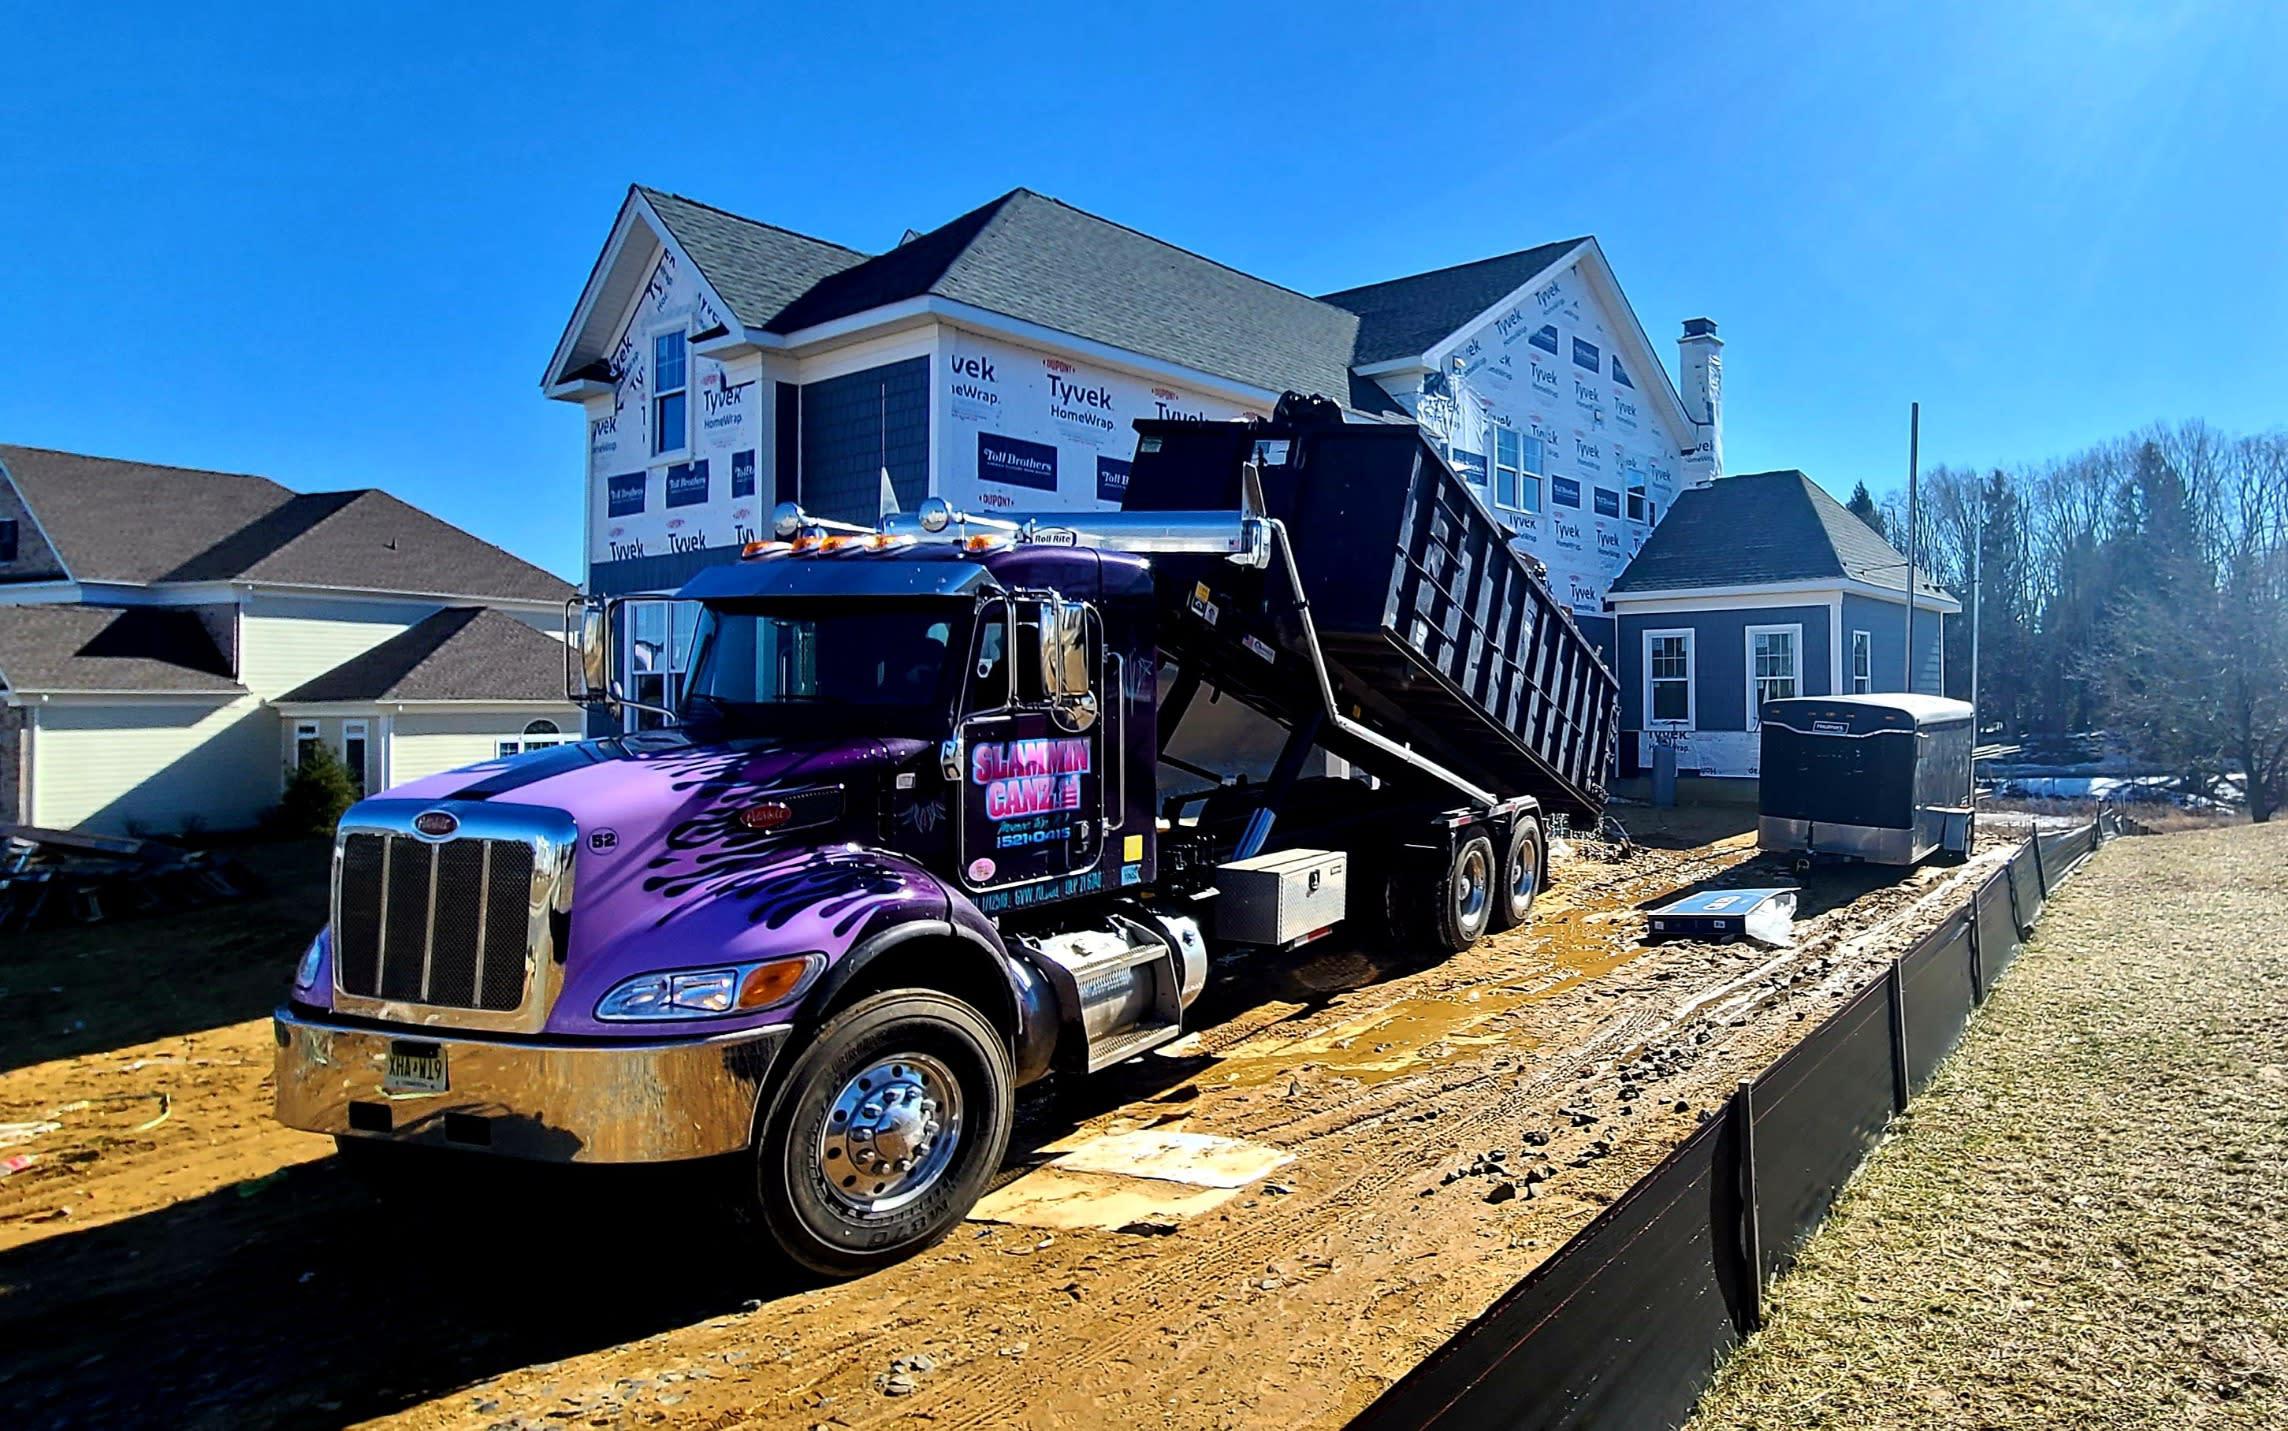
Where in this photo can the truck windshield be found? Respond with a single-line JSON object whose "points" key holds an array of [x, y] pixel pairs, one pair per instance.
{"points": [[762, 665]]}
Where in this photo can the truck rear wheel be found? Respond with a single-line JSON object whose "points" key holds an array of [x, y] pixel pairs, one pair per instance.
{"points": [[1519, 880], [885, 1132], [1462, 900]]}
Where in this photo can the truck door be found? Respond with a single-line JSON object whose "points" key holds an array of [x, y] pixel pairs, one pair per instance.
{"points": [[1031, 797]]}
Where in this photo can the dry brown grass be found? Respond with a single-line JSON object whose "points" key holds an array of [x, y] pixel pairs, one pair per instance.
{"points": [[2084, 1221]]}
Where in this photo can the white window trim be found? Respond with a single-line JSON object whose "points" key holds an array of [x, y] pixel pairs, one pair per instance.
{"points": [[1691, 679], [681, 328], [1855, 678], [1794, 631], [363, 731], [303, 730], [1495, 469], [1529, 480]]}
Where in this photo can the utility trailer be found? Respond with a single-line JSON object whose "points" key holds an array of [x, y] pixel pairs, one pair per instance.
{"points": [[905, 845], [1879, 778]]}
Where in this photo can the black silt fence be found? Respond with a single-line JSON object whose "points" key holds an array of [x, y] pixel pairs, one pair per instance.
{"points": [[1817, 1112], [1625, 1325], [1937, 982], [2026, 887], [1997, 927], [1664, 1263]]}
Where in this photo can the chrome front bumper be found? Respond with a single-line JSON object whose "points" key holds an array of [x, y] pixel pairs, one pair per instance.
{"points": [[550, 1102]]}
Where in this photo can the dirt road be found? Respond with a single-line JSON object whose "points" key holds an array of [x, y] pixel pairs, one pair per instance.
{"points": [[216, 1269]]}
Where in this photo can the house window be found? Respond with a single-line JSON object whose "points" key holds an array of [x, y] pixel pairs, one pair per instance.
{"points": [[538, 735], [1862, 663], [7, 538], [1517, 470], [669, 392], [1771, 667], [658, 652], [1668, 678], [353, 753], [1640, 510], [305, 742]]}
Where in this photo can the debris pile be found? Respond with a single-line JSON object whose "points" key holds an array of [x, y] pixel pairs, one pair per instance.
{"points": [[70, 877]]}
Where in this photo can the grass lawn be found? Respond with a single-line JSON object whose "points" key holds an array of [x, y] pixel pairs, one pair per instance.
{"points": [[2084, 1220]]}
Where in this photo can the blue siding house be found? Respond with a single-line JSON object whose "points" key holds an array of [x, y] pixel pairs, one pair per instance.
{"points": [[1755, 588]]}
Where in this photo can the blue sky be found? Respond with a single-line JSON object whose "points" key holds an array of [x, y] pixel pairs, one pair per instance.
{"points": [[337, 248]]}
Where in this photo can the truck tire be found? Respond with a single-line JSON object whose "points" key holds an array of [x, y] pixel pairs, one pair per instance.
{"points": [[1462, 899], [1519, 878], [884, 1132]]}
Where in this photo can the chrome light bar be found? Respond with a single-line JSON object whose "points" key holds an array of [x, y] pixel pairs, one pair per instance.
{"points": [[1244, 537]]}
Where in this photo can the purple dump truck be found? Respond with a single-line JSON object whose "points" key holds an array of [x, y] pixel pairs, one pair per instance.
{"points": [[912, 838]]}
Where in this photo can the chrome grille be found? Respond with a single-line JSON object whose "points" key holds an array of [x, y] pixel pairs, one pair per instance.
{"points": [[443, 924]]}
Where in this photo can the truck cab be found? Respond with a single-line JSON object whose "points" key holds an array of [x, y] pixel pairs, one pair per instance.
{"points": [[891, 759]]}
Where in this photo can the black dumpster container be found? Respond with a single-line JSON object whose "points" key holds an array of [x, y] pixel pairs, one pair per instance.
{"points": [[1884, 778], [1437, 633]]}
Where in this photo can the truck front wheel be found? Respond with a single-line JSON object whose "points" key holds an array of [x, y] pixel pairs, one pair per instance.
{"points": [[886, 1131]]}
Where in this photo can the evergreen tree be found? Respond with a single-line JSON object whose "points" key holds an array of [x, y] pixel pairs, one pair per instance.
{"points": [[317, 793], [2005, 628], [1862, 505]]}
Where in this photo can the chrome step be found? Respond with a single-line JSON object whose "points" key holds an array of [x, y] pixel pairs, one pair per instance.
{"points": [[1130, 1042]]}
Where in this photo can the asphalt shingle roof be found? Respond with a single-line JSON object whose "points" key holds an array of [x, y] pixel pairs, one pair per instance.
{"points": [[100, 648], [1758, 528], [134, 521], [758, 268], [459, 654], [1039, 260], [138, 522], [1405, 317]]}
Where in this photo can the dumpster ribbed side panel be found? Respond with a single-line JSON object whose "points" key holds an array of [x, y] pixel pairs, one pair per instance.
{"points": [[1435, 631]]}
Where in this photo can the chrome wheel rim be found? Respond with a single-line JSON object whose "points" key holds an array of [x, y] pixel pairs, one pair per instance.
{"points": [[1524, 876], [1471, 888], [890, 1134]]}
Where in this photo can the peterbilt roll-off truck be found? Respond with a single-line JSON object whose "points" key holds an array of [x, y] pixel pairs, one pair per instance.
{"points": [[912, 836]]}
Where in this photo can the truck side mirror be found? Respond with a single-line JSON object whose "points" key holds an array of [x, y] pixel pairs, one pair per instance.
{"points": [[593, 641], [1065, 674]]}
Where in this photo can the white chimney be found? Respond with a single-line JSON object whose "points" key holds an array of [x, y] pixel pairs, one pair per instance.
{"points": [[1700, 381]]}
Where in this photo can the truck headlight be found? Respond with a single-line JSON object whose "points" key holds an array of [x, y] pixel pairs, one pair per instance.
{"points": [[709, 993], [306, 972]]}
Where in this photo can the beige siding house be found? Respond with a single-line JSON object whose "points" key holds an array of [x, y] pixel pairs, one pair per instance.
{"points": [[171, 640]]}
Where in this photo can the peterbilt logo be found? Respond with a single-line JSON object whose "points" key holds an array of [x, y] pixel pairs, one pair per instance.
{"points": [[436, 824]]}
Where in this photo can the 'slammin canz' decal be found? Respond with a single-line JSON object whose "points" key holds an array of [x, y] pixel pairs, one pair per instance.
{"points": [[1030, 777]]}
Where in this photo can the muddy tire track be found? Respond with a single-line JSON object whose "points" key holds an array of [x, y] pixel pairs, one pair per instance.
{"points": [[1207, 1264]]}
